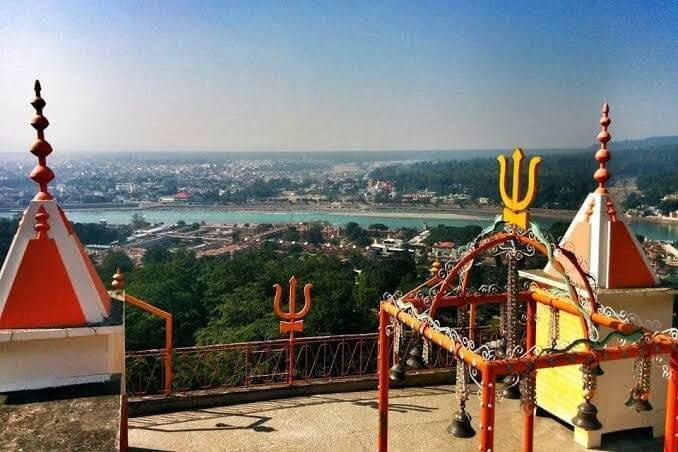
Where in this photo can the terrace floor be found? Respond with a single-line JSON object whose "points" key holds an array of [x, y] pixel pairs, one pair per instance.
{"points": [[348, 422]]}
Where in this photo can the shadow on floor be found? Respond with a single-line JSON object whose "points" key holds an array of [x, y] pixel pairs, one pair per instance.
{"points": [[143, 449], [157, 422], [397, 407], [256, 425]]}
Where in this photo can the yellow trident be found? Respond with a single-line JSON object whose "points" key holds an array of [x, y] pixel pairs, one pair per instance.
{"points": [[515, 208], [292, 320]]}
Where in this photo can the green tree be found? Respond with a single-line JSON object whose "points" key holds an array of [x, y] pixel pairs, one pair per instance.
{"points": [[458, 235], [156, 255], [175, 286], [8, 228], [314, 234], [290, 234], [558, 229], [113, 261]]}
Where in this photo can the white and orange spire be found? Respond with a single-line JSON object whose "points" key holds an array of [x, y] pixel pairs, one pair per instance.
{"points": [[607, 249], [47, 279]]}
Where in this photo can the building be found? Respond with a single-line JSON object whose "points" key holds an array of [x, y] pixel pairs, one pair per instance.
{"points": [[61, 332], [624, 283], [444, 250]]}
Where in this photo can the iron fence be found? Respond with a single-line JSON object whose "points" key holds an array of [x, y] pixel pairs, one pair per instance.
{"points": [[264, 363]]}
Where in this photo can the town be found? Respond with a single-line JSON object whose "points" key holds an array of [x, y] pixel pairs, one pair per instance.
{"points": [[311, 181]]}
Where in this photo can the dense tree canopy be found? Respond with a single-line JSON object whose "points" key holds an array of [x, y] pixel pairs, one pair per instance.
{"points": [[220, 300], [565, 178], [458, 235], [7, 230]]}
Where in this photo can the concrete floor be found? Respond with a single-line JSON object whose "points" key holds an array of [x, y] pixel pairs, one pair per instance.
{"points": [[348, 422]]}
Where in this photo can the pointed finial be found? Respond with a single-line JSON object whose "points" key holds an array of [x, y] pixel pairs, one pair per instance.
{"points": [[41, 174], [41, 225], [118, 280], [435, 267], [603, 156]]}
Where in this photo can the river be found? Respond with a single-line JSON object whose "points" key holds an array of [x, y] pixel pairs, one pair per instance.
{"points": [[393, 220]]}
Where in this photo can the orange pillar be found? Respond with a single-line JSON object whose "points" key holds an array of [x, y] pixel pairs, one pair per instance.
{"points": [[487, 410], [528, 409], [671, 427], [169, 355], [382, 360], [123, 441], [290, 358]]}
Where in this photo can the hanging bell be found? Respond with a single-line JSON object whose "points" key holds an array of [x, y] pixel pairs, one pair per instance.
{"points": [[586, 417], [500, 349], [638, 402], [597, 371], [512, 388], [461, 425], [415, 361], [397, 373], [641, 405]]}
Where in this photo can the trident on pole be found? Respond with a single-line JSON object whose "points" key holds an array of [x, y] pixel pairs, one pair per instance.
{"points": [[292, 321], [515, 207]]}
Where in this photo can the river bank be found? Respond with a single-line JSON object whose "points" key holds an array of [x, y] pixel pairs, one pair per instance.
{"points": [[356, 209], [393, 218]]}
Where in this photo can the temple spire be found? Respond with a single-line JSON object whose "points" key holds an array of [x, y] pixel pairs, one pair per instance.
{"points": [[602, 174], [41, 174]]}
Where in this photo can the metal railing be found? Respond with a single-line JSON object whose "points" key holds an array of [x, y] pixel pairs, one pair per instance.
{"points": [[247, 365]]}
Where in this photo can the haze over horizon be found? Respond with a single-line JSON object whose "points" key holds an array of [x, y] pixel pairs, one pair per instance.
{"points": [[169, 76]]}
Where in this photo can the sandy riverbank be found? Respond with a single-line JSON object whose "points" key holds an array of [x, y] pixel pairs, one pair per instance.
{"points": [[388, 211]]}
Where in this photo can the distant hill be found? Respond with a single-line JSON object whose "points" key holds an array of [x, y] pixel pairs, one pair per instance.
{"points": [[649, 142], [565, 175], [669, 143]]}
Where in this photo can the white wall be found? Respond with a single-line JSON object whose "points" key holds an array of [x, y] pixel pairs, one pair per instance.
{"points": [[73, 359]]}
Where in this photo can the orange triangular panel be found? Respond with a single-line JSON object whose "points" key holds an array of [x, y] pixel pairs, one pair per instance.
{"points": [[42, 294], [627, 267]]}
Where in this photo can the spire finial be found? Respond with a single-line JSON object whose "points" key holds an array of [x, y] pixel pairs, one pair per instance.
{"points": [[118, 280], [41, 225], [603, 155], [41, 174]]}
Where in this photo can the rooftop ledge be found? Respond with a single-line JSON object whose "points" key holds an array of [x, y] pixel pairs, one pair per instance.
{"points": [[540, 276], [18, 335]]}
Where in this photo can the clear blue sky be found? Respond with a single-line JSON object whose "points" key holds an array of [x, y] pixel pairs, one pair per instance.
{"points": [[254, 75]]}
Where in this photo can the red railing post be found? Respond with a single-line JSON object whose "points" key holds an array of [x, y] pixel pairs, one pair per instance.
{"points": [[528, 409], [290, 358], [382, 360], [169, 375], [247, 366], [671, 425], [487, 410], [167, 387]]}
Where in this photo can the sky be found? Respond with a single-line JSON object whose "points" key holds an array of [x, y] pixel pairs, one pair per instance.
{"points": [[336, 75]]}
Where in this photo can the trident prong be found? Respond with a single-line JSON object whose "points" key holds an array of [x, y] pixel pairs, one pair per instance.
{"points": [[292, 320], [515, 208]]}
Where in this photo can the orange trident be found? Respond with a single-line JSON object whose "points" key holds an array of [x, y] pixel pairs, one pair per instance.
{"points": [[292, 320]]}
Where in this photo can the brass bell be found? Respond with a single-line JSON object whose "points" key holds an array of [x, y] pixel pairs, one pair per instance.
{"points": [[500, 352], [597, 371], [415, 361], [511, 389], [397, 373], [638, 403], [586, 417], [461, 425]]}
